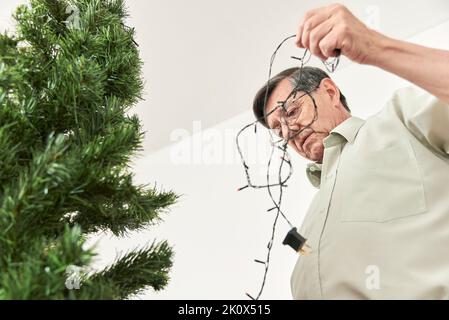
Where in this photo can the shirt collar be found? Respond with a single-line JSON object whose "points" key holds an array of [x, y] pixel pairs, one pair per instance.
{"points": [[344, 132], [313, 173]]}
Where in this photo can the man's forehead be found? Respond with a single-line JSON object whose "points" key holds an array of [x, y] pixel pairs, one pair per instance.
{"points": [[279, 93]]}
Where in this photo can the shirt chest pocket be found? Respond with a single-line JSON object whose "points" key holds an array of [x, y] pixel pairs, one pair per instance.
{"points": [[382, 184]]}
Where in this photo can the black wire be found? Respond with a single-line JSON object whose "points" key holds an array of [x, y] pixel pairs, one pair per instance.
{"points": [[330, 66]]}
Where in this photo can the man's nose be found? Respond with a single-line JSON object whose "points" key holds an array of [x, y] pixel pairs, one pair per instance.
{"points": [[284, 129]]}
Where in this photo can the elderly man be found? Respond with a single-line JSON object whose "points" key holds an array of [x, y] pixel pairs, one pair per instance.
{"points": [[378, 227]]}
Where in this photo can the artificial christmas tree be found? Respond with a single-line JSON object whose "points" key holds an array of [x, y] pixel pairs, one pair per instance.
{"points": [[67, 79]]}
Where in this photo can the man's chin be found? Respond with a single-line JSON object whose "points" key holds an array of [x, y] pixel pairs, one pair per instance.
{"points": [[315, 159], [312, 155], [315, 155]]}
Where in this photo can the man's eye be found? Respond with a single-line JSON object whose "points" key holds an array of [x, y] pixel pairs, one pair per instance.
{"points": [[293, 112]]}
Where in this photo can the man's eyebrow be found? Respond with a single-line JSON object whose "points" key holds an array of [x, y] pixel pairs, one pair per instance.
{"points": [[300, 98]]}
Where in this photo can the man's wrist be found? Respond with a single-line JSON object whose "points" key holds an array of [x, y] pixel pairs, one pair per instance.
{"points": [[381, 45]]}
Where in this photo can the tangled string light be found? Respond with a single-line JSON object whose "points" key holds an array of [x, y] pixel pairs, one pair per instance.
{"points": [[289, 115]]}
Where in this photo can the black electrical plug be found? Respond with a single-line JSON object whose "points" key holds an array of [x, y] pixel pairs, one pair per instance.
{"points": [[296, 241]]}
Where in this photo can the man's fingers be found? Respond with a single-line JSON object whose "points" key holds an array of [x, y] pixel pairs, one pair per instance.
{"points": [[310, 24], [316, 35], [306, 17], [311, 20], [298, 36], [335, 27], [329, 44]]}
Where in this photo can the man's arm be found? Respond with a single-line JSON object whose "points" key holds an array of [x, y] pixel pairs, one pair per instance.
{"points": [[325, 29], [426, 67]]}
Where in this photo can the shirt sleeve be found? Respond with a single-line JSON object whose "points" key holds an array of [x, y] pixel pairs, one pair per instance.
{"points": [[424, 115]]}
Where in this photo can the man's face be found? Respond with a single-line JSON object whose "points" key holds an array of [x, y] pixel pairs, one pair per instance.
{"points": [[300, 113]]}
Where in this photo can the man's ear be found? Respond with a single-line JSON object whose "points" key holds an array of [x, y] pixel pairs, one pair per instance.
{"points": [[331, 89]]}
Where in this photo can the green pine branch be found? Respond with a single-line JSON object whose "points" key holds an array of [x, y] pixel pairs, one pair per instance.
{"points": [[132, 273], [67, 142]]}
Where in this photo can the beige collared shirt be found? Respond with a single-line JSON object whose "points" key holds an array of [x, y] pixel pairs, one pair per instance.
{"points": [[378, 226]]}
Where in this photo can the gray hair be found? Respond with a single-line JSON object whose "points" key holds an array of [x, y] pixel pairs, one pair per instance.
{"points": [[310, 80]]}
